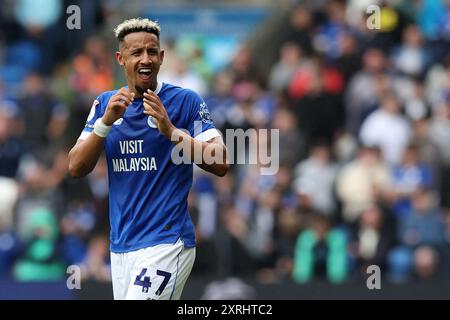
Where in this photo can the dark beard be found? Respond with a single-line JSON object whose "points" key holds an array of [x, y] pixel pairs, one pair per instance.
{"points": [[140, 90]]}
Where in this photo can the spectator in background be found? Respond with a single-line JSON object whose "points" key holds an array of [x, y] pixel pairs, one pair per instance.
{"points": [[388, 129], [440, 130], [8, 101], [182, 75], [317, 194], [371, 239], [431, 17], [243, 68], [199, 65], [44, 116], [445, 261], [40, 20], [328, 35], [246, 113], [41, 259], [98, 185], [300, 29], [10, 244], [363, 90], [290, 135], [289, 224], [362, 182], [38, 15], [313, 77], [411, 57], [42, 180], [12, 149], [427, 149], [260, 239], [315, 92], [84, 223], [282, 72], [423, 225], [344, 147], [440, 135], [416, 105], [97, 262], [76, 227], [408, 177], [92, 70], [252, 221], [349, 60], [320, 251], [11, 152], [220, 98], [421, 237], [251, 184], [206, 202], [437, 79]]}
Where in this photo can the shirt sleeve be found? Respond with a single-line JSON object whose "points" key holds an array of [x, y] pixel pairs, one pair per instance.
{"points": [[201, 125], [94, 114]]}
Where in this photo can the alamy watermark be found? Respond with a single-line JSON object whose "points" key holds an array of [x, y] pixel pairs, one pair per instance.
{"points": [[252, 147], [374, 279], [74, 19], [373, 22], [74, 279]]}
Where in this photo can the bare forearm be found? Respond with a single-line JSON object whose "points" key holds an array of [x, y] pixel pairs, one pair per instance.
{"points": [[210, 156], [219, 168], [84, 155]]}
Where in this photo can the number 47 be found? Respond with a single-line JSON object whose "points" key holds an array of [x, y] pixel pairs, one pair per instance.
{"points": [[142, 280]]}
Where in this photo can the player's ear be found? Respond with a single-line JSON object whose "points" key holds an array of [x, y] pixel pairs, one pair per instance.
{"points": [[161, 56], [119, 58]]}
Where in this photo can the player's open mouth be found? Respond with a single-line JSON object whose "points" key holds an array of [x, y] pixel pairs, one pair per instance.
{"points": [[145, 73]]}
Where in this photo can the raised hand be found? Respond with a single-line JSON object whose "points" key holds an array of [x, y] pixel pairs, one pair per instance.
{"points": [[154, 107], [117, 105]]}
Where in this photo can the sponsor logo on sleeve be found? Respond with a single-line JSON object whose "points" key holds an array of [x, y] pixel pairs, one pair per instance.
{"points": [[204, 113], [92, 112]]}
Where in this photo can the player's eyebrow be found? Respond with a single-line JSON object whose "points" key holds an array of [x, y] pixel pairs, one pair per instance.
{"points": [[139, 48]]}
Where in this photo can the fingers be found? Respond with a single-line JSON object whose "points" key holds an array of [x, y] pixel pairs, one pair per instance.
{"points": [[126, 92], [123, 100], [150, 109], [124, 96], [153, 97], [153, 104]]}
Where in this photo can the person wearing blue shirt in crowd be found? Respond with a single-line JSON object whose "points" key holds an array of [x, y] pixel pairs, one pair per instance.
{"points": [[141, 127]]}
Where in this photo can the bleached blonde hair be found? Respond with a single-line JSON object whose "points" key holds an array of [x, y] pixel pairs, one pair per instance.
{"points": [[136, 25]]}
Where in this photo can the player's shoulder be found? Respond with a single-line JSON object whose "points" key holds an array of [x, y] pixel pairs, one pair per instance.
{"points": [[106, 95], [175, 90], [103, 98]]}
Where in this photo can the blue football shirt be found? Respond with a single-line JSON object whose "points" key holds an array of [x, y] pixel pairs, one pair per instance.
{"points": [[147, 190]]}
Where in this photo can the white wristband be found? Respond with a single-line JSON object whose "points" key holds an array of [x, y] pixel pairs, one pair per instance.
{"points": [[101, 129]]}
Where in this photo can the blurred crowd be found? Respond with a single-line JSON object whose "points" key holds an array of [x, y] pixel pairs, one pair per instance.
{"points": [[364, 146]]}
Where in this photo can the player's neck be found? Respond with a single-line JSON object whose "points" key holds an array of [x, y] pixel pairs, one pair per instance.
{"points": [[139, 91]]}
